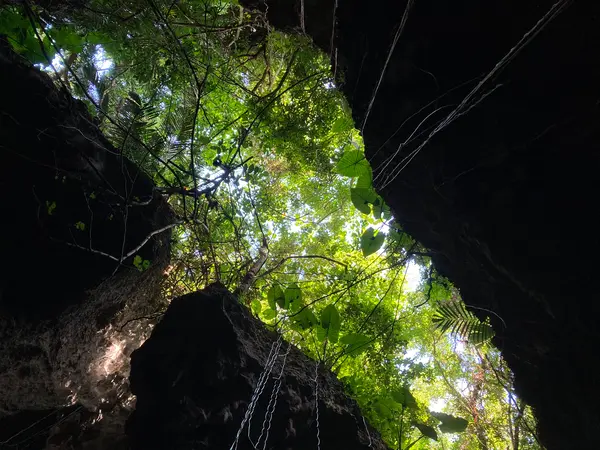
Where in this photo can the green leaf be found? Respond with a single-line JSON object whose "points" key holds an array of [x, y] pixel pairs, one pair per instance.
{"points": [[293, 297], [356, 343], [321, 333], [96, 38], [386, 212], [330, 321], [398, 395], [365, 180], [451, 424], [379, 207], [371, 242], [353, 338], [341, 124], [404, 397], [269, 314], [361, 198], [203, 140], [385, 408], [50, 207], [452, 316], [353, 164], [256, 306], [140, 264], [427, 431], [67, 39], [305, 318], [80, 226], [275, 297]]}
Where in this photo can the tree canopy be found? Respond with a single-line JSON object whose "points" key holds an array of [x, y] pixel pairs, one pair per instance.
{"points": [[243, 129]]}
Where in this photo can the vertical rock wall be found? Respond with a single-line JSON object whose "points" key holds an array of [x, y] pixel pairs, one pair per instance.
{"points": [[196, 376], [67, 310]]}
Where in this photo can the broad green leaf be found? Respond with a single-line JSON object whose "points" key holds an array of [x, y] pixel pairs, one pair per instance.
{"points": [[341, 124], [356, 343], [398, 395], [330, 321], [256, 306], [269, 314], [379, 207], [321, 333], [386, 212], [293, 297], [404, 397], [96, 38], [427, 431], [365, 180], [275, 297], [68, 39], [353, 338], [362, 198], [305, 318], [371, 242], [385, 408], [450, 424], [353, 164]]}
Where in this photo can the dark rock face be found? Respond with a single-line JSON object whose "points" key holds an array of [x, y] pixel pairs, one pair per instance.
{"points": [[196, 376], [505, 195], [67, 311], [62, 186]]}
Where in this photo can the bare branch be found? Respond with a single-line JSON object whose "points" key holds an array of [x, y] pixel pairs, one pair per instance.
{"points": [[130, 253], [287, 258], [250, 276]]}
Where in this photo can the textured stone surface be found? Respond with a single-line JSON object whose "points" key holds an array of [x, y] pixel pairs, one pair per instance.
{"points": [[57, 170], [194, 379], [65, 312]]}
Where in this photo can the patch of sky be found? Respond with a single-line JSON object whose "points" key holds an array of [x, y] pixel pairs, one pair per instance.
{"points": [[414, 277], [102, 62], [245, 79], [437, 404]]}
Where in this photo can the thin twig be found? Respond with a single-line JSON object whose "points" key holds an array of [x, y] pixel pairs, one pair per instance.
{"points": [[130, 253]]}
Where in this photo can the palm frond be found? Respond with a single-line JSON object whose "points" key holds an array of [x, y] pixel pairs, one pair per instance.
{"points": [[453, 317]]}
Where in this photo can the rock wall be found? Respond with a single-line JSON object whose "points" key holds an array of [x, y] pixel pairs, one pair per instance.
{"points": [[197, 374], [71, 207], [504, 195]]}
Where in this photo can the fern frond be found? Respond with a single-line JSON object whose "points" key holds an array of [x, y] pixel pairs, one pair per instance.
{"points": [[453, 317]]}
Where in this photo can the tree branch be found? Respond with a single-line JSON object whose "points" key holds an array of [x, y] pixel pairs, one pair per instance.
{"points": [[250, 276], [130, 253], [280, 263]]}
